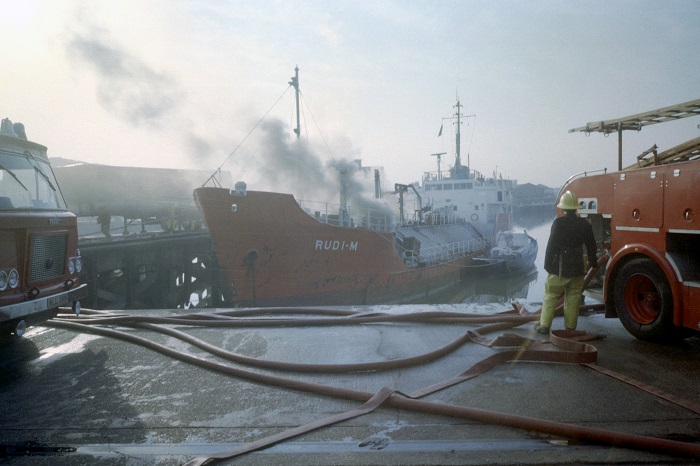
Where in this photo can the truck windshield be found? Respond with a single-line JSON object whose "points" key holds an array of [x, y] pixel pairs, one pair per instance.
{"points": [[27, 182]]}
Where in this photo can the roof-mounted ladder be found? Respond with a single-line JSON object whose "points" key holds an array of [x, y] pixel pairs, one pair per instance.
{"points": [[637, 122]]}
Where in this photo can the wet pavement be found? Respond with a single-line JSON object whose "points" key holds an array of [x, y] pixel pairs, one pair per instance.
{"points": [[74, 398]]}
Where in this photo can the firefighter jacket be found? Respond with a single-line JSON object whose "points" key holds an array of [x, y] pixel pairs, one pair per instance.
{"points": [[565, 249]]}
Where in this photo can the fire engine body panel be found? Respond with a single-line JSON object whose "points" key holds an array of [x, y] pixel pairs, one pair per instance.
{"points": [[644, 219], [39, 257], [650, 218]]}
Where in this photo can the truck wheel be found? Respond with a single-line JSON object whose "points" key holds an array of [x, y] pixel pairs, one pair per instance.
{"points": [[644, 301]]}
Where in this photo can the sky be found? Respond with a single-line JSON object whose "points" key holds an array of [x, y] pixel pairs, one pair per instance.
{"points": [[205, 84]]}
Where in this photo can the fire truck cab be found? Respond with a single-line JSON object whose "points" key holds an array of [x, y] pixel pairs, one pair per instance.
{"points": [[646, 218], [39, 257]]}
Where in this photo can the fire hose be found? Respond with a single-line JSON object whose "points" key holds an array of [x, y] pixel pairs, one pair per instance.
{"points": [[522, 349]]}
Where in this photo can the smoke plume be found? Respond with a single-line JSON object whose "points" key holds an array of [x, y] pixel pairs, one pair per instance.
{"points": [[286, 164], [136, 93], [127, 86]]}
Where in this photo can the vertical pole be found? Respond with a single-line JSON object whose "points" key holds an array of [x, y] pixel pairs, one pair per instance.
{"points": [[377, 185], [619, 146], [160, 281], [458, 137], [128, 279], [187, 259], [295, 83]]}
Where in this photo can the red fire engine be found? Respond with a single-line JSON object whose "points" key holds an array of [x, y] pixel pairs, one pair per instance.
{"points": [[39, 258], [646, 217]]}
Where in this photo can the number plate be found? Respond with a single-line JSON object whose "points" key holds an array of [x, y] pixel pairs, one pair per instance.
{"points": [[54, 301]]}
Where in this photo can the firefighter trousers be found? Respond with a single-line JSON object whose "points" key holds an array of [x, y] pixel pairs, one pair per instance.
{"points": [[554, 288]]}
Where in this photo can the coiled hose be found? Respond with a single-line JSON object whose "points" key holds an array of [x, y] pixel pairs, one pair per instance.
{"points": [[526, 350]]}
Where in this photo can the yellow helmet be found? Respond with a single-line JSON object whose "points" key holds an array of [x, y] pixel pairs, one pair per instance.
{"points": [[568, 201]]}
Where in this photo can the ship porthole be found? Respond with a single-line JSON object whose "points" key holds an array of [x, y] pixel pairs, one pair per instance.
{"points": [[475, 217]]}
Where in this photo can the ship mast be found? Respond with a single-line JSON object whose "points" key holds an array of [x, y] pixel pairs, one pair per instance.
{"points": [[295, 83], [460, 171], [458, 162]]}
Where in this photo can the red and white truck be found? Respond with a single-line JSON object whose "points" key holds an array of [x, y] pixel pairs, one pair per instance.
{"points": [[39, 257], [646, 217]]}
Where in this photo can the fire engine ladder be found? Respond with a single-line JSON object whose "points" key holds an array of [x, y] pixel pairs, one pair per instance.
{"points": [[689, 150], [637, 122]]}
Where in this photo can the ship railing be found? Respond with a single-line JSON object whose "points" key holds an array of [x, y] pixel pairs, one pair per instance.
{"points": [[431, 255], [475, 177], [329, 213], [434, 176], [483, 216], [535, 201], [441, 218]]}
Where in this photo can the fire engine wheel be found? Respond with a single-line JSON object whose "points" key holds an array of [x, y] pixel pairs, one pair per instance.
{"points": [[644, 301]]}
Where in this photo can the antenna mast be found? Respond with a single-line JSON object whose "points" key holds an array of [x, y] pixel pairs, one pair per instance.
{"points": [[460, 171], [458, 162], [295, 83]]}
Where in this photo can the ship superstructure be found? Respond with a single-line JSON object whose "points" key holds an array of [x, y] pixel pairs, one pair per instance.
{"points": [[461, 192]]}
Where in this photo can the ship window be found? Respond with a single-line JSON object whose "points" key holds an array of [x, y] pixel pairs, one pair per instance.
{"points": [[448, 186], [500, 196], [460, 185], [438, 187]]}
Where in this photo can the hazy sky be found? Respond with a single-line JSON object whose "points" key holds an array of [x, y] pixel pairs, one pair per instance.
{"points": [[182, 83]]}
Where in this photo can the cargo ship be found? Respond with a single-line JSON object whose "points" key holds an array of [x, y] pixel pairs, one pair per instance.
{"points": [[274, 253]]}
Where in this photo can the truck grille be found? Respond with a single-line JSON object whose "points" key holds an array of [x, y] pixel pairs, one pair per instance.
{"points": [[48, 257]]}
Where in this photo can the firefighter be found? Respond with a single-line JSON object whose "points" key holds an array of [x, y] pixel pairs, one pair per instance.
{"points": [[564, 263], [104, 220]]}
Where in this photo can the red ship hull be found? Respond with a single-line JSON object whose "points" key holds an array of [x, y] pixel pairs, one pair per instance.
{"points": [[275, 254]]}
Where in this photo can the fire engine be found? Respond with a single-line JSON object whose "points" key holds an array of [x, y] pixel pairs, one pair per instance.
{"points": [[646, 217], [39, 257]]}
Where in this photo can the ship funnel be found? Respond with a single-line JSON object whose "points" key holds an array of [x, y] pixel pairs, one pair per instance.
{"points": [[343, 188], [6, 128], [343, 215], [239, 189], [19, 131]]}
